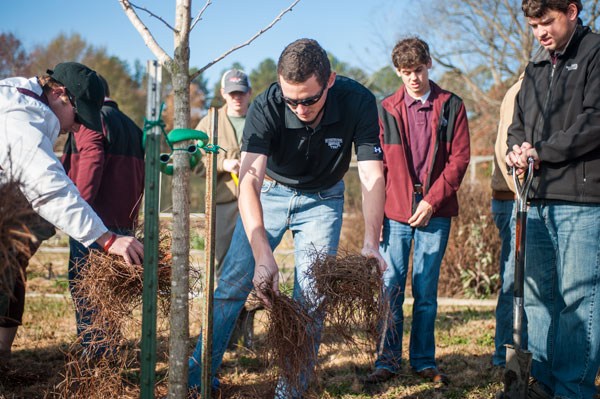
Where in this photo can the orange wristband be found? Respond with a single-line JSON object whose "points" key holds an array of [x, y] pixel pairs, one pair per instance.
{"points": [[110, 242]]}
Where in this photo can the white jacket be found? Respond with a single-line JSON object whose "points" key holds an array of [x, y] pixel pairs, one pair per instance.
{"points": [[28, 130]]}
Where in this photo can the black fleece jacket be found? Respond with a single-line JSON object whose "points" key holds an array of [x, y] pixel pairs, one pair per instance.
{"points": [[558, 112]]}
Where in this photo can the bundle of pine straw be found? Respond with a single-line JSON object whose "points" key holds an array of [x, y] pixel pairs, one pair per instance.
{"points": [[109, 290], [15, 236], [290, 338], [87, 377], [350, 289], [346, 293]]}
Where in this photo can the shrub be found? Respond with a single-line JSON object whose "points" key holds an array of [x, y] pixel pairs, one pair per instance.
{"points": [[470, 265]]}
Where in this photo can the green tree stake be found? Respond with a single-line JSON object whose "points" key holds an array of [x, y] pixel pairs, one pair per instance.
{"points": [[152, 132]]}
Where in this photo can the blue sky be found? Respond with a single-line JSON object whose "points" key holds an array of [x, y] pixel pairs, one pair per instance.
{"points": [[360, 32]]}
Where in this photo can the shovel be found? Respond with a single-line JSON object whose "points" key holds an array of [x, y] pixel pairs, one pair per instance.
{"points": [[518, 360]]}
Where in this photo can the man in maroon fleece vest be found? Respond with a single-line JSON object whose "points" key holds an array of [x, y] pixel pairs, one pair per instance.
{"points": [[108, 169], [425, 140]]}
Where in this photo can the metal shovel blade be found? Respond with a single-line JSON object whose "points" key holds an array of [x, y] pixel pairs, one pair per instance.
{"points": [[516, 373]]}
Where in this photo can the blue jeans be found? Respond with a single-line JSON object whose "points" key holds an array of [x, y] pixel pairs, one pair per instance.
{"points": [[504, 214], [562, 296], [430, 244], [315, 220], [78, 253]]}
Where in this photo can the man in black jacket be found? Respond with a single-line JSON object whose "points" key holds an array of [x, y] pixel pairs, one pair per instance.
{"points": [[557, 123]]}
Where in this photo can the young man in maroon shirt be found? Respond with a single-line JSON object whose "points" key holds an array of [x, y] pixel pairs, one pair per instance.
{"points": [[425, 139]]}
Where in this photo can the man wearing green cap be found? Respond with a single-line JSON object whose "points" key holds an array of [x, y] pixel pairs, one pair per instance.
{"points": [[33, 112]]}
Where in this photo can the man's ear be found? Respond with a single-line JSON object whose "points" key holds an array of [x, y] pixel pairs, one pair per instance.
{"points": [[572, 12], [331, 80], [398, 73], [429, 63], [58, 91]]}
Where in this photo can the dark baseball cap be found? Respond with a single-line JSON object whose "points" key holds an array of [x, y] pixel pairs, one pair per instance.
{"points": [[82, 83], [235, 80]]}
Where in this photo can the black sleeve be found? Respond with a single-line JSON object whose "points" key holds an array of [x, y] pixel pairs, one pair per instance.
{"points": [[258, 131], [366, 134]]}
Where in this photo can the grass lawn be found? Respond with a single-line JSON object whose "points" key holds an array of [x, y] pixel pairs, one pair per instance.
{"points": [[464, 344], [464, 338]]}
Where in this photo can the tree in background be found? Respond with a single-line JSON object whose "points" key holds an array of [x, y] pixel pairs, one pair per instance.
{"points": [[178, 67], [262, 76], [14, 61], [486, 45], [383, 82], [126, 91]]}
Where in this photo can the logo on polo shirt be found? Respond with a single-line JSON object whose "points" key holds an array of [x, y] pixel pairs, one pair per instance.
{"points": [[376, 150], [572, 67], [334, 143]]}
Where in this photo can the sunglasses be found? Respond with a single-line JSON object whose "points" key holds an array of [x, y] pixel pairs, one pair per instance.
{"points": [[307, 102], [72, 101], [165, 158]]}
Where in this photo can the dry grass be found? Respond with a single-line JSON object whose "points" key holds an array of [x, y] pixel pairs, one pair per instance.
{"points": [[464, 338], [16, 217], [470, 265]]}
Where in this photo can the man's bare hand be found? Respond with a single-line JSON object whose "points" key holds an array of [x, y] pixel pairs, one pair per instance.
{"points": [[422, 215], [518, 157], [374, 253], [266, 275], [129, 248], [232, 166]]}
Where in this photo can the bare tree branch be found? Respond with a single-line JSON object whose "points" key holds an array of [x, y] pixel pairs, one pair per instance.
{"points": [[260, 32], [487, 43], [199, 17], [161, 54], [594, 12], [153, 15]]}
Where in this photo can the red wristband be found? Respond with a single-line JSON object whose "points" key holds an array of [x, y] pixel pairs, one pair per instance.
{"points": [[110, 242]]}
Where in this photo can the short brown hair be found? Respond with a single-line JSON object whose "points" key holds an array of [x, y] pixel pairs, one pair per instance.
{"points": [[410, 52], [537, 8], [302, 59], [48, 83]]}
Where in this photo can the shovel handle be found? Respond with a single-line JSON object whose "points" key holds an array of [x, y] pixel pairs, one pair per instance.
{"points": [[520, 237], [523, 190]]}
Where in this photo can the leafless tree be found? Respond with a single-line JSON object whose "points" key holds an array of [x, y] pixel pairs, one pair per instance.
{"points": [[591, 14], [178, 66], [484, 42]]}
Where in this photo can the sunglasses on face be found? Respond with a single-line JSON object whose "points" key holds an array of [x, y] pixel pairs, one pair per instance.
{"points": [[307, 102], [72, 101]]}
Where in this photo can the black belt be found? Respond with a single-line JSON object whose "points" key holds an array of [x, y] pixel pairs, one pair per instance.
{"points": [[418, 188]]}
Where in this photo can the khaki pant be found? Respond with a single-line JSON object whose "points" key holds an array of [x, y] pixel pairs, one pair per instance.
{"points": [[226, 218]]}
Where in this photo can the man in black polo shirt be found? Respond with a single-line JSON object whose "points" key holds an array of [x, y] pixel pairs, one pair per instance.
{"points": [[295, 151]]}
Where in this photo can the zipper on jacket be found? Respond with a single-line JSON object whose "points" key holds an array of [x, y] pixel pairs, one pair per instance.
{"points": [[436, 146], [542, 116]]}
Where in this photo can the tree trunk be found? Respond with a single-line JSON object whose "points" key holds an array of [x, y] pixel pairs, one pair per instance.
{"points": [[179, 335]]}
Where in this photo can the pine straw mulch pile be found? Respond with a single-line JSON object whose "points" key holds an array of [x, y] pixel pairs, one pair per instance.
{"points": [[15, 236], [110, 291], [346, 295]]}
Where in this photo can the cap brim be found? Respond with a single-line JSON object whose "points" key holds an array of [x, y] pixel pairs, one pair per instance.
{"points": [[89, 115], [232, 88]]}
